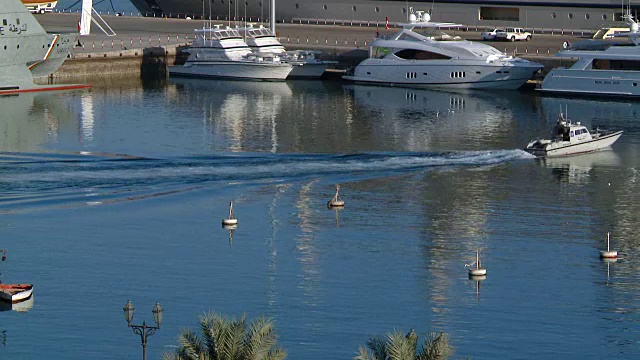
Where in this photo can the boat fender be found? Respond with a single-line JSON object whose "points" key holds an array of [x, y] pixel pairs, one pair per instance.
{"points": [[565, 45]]}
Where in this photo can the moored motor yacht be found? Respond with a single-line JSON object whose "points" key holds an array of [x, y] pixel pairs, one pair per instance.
{"points": [[306, 64], [220, 52], [570, 138], [603, 67], [421, 55]]}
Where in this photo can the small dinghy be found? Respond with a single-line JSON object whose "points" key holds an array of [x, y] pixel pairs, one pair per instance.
{"points": [[15, 292], [570, 138]]}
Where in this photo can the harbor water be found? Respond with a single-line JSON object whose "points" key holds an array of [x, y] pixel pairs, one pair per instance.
{"points": [[117, 193]]}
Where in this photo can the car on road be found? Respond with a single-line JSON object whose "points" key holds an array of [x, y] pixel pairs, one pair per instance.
{"points": [[490, 35], [513, 34]]}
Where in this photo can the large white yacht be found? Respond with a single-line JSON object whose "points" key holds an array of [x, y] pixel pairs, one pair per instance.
{"points": [[305, 63], [603, 67], [220, 52], [421, 55], [28, 51]]}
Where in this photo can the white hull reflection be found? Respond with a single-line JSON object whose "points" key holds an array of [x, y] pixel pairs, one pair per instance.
{"points": [[424, 119]]}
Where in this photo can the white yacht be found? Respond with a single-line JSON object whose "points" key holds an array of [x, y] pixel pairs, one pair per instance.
{"points": [[305, 63], [219, 52], [603, 67], [421, 55]]}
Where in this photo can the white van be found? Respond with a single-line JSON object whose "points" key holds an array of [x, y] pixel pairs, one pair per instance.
{"points": [[40, 7]]}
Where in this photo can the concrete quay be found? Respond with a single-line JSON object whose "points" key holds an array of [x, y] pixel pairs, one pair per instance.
{"points": [[147, 45]]}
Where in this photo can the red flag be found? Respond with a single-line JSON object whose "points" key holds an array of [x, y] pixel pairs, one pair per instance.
{"points": [[386, 25]]}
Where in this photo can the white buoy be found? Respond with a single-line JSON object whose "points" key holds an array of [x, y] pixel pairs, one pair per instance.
{"points": [[478, 270], [232, 219], [336, 201], [608, 254]]}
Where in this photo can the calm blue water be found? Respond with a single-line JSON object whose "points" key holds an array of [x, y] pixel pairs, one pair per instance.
{"points": [[117, 193]]}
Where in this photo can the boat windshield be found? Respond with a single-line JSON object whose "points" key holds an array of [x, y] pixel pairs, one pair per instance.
{"points": [[436, 34]]}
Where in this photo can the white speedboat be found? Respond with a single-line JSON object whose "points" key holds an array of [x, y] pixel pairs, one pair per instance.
{"points": [[305, 63], [572, 138], [603, 67], [219, 52], [421, 55]]}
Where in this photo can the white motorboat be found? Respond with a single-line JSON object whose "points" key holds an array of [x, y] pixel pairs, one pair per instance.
{"points": [[572, 138], [421, 55], [603, 67], [305, 63], [219, 52]]}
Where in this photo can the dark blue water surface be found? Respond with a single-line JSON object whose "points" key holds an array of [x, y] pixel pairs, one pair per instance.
{"points": [[117, 193]]}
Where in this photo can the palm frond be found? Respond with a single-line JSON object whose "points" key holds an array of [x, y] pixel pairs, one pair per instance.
{"points": [[378, 347], [399, 347], [364, 354], [260, 339], [190, 345], [276, 353], [170, 356], [207, 332], [436, 347]]}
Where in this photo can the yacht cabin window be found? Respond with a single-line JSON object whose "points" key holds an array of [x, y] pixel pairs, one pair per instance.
{"points": [[412, 54], [605, 64], [379, 52]]}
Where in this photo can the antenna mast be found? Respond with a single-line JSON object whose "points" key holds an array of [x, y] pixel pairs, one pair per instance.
{"points": [[272, 20]]}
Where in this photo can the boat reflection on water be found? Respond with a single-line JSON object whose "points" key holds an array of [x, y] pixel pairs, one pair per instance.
{"points": [[28, 120], [22, 306], [236, 110], [444, 120], [577, 169]]}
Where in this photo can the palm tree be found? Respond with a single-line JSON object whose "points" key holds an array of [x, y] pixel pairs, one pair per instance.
{"points": [[397, 346], [223, 338]]}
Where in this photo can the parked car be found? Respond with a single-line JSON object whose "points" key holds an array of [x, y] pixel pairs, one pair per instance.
{"points": [[513, 34], [491, 35]]}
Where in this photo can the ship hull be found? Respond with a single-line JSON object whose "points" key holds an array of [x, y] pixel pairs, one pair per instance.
{"points": [[546, 14]]}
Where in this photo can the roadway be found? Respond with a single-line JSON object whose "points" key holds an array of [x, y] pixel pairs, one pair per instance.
{"points": [[138, 32]]}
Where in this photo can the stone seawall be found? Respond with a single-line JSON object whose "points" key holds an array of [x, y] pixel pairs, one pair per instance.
{"points": [[153, 61]]}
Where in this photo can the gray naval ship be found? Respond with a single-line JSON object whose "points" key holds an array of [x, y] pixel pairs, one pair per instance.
{"points": [[28, 51]]}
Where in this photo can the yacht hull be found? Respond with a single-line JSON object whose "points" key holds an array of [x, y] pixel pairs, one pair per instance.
{"points": [[447, 75], [307, 70], [592, 82], [233, 70]]}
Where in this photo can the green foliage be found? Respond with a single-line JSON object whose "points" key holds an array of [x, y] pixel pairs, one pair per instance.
{"points": [[223, 338], [396, 346]]}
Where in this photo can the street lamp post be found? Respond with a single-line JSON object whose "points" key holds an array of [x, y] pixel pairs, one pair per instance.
{"points": [[143, 330]]}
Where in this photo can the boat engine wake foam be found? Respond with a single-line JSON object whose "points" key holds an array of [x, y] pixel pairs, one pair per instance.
{"points": [[64, 178]]}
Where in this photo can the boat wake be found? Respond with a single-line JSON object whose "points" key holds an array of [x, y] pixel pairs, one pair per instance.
{"points": [[29, 180]]}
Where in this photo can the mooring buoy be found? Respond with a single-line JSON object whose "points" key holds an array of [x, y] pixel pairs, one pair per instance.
{"points": [[608, 254], [475, 268], [231, 220], [336, 201]]}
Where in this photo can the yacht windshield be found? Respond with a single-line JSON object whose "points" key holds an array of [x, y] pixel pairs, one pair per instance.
{"points": [[436, 34]]}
